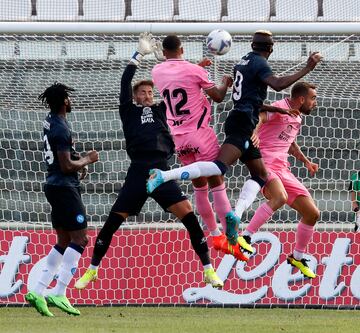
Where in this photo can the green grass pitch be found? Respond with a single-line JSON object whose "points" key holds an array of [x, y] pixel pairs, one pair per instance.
{"points": [[138, 319]]}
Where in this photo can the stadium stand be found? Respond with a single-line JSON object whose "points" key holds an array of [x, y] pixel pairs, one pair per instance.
{"points": [[40, 50], [330, 51], [348, 11], [305, 10], [160, 10], [7, 50], [109, 10], [247, 10], [193, 10], [289, 52], [16, 10], [54, 10]]}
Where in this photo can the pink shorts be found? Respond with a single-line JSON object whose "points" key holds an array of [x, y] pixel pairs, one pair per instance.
{"points": [[201, 145], [293, 187]]}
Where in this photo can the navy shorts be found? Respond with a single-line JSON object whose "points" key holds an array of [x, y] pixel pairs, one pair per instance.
{"points": [[133, 194], [238, 130], [67, 208]]}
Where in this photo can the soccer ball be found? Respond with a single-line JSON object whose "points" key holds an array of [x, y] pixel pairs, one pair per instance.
{"points": [[218, 42]]}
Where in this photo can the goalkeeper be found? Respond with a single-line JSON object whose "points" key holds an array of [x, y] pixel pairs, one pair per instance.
{"points": [[149, 145], [354, 189]]}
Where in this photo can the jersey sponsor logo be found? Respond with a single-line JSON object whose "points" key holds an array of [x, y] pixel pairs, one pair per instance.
{"points": [[246, 144], [182, 151], [284, 136], [80, 218], [176, 122], [185, 175], [243, 62], [147, 116]]}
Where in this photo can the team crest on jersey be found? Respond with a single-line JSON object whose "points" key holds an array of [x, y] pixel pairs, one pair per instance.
{"points": [[147, 116], [289, 128], [80, 218]]}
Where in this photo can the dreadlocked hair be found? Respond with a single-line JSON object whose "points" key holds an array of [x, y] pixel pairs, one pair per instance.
{"points": [[53, 97]]}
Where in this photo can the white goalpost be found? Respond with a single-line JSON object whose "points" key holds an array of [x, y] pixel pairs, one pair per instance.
{"points": [[151, 260]]}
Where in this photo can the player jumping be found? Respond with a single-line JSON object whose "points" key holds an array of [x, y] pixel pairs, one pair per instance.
{"points": [[252, 76], [149, 145], [188, 111]]}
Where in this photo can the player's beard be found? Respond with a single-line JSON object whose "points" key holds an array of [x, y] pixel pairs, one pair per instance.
{"points": [[68, 108]]}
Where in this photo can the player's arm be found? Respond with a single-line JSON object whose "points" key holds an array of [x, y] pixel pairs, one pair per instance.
{"points": [[271, 108], [254, 137], [295, 151], [280, 83], [146, 46], [67, 165], [218, 93]]}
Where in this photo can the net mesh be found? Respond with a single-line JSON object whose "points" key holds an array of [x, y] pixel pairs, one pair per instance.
{"points": [[93, 65]]}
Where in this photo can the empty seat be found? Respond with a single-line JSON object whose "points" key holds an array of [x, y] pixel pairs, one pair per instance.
{"points": [[40, 50], [356, 55], [330, 51], [344, 10], [199, 10], [106, 10], [57, 10], [15, 10], [87, 50], [160, 10], [287, 52], [237, 51], [247, 10], [7, 50], [305, 10]]}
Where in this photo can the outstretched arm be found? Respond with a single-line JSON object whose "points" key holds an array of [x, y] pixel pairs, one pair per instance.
{"points": [[146, 46], [218, 93], [280, 83], [295, 151], [271, 108]]}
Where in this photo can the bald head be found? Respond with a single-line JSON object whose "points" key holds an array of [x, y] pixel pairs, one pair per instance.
{"points": [[262, 41]]}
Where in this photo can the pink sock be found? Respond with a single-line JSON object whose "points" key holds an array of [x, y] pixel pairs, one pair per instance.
{"points": [[221, 203], [304, 233], [262, 215], [204, 208]]}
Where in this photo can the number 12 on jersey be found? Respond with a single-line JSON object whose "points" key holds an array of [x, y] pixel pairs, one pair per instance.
{"points": [[169, 96]]}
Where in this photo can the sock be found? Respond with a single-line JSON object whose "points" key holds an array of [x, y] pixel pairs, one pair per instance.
{"points": [[53, 261], [68, 268], [221, 203], [208, 267], [247, 196], [93, 267], [197, 237], [304, 233], [204, 209], [260, 217], [192, 171], [104, 237]]}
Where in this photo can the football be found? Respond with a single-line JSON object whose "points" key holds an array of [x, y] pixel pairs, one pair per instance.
{"points": [[218, 42]]}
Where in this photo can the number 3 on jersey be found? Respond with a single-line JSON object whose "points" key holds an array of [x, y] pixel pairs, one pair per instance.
{"points": [[179, 104], [237, 86], [48, 154]]}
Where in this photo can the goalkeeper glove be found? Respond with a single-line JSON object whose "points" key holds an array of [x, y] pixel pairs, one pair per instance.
{"points": [[158, 51], [146, 46]]}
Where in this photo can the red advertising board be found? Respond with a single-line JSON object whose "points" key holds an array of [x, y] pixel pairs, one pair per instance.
{"points": [[159, 266]]}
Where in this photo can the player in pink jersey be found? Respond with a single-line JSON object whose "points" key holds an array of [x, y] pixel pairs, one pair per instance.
{"points": [[185, 87], [277, 133]]}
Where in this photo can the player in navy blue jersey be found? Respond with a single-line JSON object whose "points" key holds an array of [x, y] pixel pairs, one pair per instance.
{"points": [[62, 190], [149, 145], [252, 76]]}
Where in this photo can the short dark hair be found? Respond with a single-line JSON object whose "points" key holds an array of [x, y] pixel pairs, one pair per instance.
{"points": [[262, 41], [142, 83], [54, 96], [171, 43], [301, 89]]}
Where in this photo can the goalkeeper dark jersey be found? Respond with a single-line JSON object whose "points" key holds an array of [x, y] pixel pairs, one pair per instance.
{"points": [[57, 137], [145, 128], [249, 89]]}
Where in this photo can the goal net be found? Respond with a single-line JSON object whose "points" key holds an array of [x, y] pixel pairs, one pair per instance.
{"points": [[151, 260]]}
